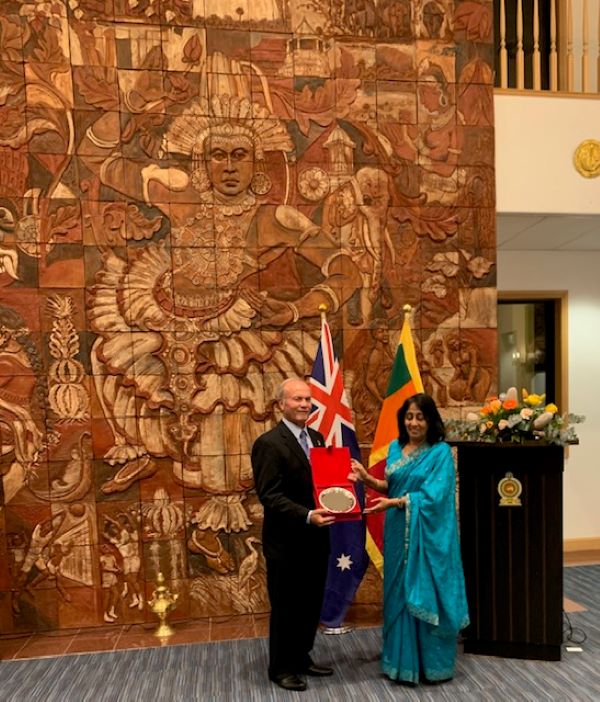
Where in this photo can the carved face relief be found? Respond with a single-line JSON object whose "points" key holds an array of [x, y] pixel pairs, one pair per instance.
{"points": [[230, 164], [433, 19], [430, 94]]}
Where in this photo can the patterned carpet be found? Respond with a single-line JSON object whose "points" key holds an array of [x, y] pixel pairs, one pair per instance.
{"points": [[235, 670]]}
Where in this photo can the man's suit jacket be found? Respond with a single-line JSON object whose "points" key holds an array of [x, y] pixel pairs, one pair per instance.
{"points": [[284, 485]]}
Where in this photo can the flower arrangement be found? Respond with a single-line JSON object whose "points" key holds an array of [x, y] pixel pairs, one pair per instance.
{"points": [[505, 418]]}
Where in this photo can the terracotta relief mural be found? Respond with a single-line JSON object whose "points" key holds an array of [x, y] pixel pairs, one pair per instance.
{"points": [[182, 184]]}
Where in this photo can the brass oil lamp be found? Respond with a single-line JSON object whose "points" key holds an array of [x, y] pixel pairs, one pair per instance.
{"points": [[162, 602]]}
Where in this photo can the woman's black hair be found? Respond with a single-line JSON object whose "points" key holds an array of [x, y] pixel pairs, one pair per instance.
{"points": [[435, 424]]}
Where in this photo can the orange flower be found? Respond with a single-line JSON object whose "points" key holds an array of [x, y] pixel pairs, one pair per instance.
{"points": [[489, 424], [486, 410], [509, 404], [495, 405]]}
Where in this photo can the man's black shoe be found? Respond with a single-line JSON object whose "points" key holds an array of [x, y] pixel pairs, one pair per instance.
{"points": [[289, 682], [320, 671]]}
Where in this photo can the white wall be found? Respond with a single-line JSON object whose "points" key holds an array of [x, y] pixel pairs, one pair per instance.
{"points": [[541, 134], [579, 274]]}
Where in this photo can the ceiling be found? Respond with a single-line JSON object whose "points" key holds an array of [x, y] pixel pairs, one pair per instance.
{"points": [[539, 232]]}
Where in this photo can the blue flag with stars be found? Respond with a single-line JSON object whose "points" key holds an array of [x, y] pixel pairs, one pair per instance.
{"points": [[331, 415]]}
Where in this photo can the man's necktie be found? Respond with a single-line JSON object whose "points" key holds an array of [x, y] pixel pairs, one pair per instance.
{"points": [[304, 442]]}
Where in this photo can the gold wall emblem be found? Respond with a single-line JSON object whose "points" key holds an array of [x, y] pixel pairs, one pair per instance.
{"points": [[587, 158], [509, 489]]}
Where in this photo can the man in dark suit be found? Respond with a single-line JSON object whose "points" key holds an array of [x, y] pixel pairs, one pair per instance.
{"points": [[295, 544]]}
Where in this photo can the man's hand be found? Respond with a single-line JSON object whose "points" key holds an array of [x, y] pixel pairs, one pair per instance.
{"points": [[321, 517]]}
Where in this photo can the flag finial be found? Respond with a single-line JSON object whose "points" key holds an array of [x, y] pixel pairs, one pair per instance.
{"points": [[407, 309], [323, 309]]}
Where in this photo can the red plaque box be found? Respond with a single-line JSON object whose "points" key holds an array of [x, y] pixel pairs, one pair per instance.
{"points": [[333, 490]]}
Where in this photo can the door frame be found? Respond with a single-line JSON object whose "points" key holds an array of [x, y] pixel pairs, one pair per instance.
{"points": [[561, 365]]}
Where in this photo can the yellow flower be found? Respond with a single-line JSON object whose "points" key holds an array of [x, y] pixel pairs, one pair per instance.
{"points": [[551, 408], [534, 400], [489, 424]]}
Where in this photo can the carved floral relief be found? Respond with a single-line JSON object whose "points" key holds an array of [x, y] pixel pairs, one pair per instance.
{"points": [[182, 184]]}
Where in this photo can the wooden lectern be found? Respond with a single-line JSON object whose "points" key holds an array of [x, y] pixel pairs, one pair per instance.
{"points": [[512, 548]]}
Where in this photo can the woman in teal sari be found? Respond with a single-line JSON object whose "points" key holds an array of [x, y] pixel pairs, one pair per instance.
{"points": [[424, 604]]}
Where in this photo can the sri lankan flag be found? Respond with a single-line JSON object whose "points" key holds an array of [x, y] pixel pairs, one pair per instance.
{"points": [[405, 381]]}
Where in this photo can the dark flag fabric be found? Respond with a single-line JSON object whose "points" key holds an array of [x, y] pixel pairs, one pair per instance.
{"points": [[331, 415]]}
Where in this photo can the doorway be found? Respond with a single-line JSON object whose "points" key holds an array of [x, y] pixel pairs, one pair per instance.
{"points": [[531, 348]]}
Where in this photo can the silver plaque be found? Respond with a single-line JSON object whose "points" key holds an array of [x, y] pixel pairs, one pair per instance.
{"points": [[337, 499]]}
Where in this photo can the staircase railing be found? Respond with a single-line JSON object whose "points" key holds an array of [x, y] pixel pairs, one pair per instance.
{"points": [[548, 45]]}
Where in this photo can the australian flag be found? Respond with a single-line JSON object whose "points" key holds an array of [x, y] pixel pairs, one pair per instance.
{"points": [[331, 415]]}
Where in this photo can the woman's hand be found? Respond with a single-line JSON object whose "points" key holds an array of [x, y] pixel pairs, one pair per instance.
{"points": [[380, 504], [359, 472]]}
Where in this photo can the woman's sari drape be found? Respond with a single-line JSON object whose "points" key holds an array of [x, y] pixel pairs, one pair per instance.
{"points": [[424, 592]]}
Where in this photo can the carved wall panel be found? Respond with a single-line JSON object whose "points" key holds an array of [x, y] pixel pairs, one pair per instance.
{"points": [[182, 184]]}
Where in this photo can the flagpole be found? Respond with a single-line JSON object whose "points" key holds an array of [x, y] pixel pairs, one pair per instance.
{"points": [[323, 310]]}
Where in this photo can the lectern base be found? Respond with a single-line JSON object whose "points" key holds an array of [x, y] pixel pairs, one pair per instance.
{"points": [[512, 549], [539, 652]]}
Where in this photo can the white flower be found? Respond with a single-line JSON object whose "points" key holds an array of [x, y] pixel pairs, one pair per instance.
{"points": [[543, 420], [502, 424], [526, 413]]}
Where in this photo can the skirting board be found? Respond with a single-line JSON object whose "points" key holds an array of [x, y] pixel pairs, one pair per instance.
{"points": [[588, 543]]}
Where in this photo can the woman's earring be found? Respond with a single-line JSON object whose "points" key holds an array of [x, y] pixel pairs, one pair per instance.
{"points": [[443, 100]]}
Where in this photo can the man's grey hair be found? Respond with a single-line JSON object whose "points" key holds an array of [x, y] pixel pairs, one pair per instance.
{"points": [[282, 386]]}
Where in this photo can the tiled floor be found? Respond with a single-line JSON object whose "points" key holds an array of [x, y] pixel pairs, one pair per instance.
{"points": [[112, 638]]}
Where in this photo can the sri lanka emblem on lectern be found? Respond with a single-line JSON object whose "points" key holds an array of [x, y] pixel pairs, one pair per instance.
{"points": [[510, 489]]}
